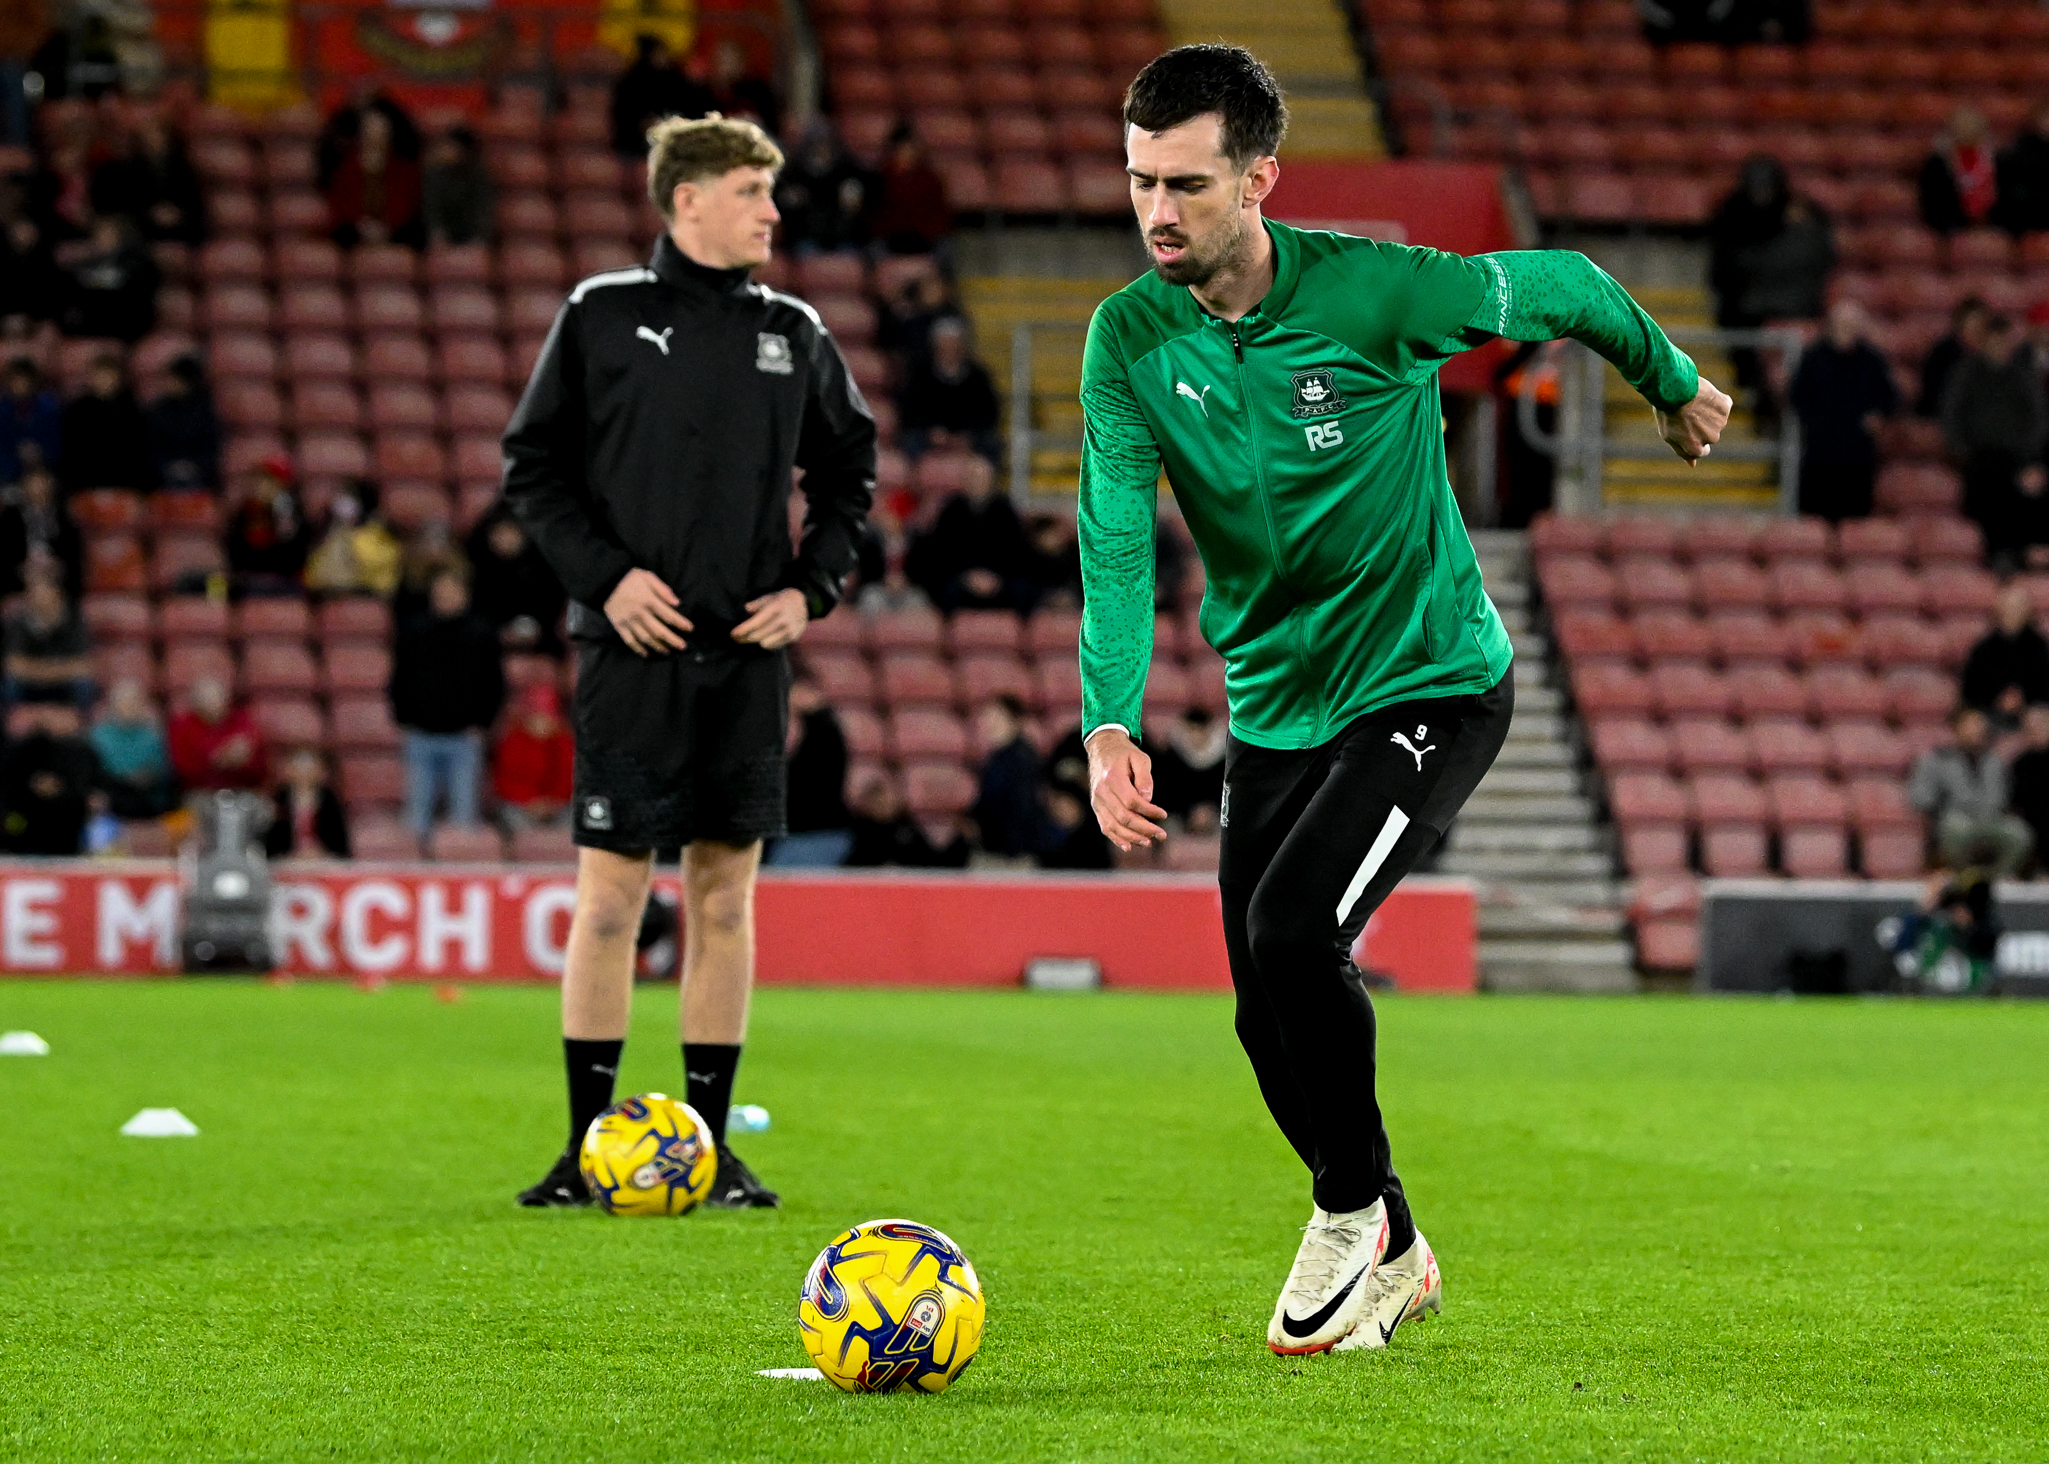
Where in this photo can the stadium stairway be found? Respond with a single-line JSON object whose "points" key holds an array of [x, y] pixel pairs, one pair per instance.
{"points": [[1551, 915], [1309, 46], [997, 305]]}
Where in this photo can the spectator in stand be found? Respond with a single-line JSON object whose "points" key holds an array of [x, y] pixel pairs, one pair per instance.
{"points": [[532, 773], [1967, 322], [31, 421], [817, 820], [215, 744], [426, 553], [30, 284], [736, 91], [357, 553], [511, 585], [912, 215], [2030, 778], [1959, 185], [307, 819], [1073, 839], [1053, 563], [374, 196], [2023, 177], [106, 436], [111, 287], [823, 194], [1726, 22], [266, 535], [884, 833], [151, 182], [24, 27], [49, 654], [2008, 669], [1995, 422], [652, 88], [1009, 809], [947, 399], [184, 431], [447, 688], [39, 539], [1188, 772], [48, 780], [1770, 252], [1842, 392], [973, 556], [135, 763], [1961, 788], [456, 191], [343, 131], [909, 317]]}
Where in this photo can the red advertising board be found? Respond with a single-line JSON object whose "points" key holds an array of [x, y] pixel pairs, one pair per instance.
{"points": [[494, 923]]}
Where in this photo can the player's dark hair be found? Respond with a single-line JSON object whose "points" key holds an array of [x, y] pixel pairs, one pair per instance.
{"points": [[1190, 81]]}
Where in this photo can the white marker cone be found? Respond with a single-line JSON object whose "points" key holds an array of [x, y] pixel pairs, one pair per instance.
{"points": [[23, 1044], [160, 1123]]}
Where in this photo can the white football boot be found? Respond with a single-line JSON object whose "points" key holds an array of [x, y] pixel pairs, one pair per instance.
{"points": [[1399, 1290], [1327, 1289]]}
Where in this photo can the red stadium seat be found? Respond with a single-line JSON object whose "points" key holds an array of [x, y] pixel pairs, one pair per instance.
{"points": [[118, 661], [1652, 812], [1689, 688], [915, 630], [1055, 632], [1644, 580], [1782, 743], [1866, 747], [319, 357], [863, 731], [187, 661], [1918, 694], [355, 617], [1710, 744], [1812, 820], [1902, 640], [1059, 681], [1729, 582], [1607, 689], [1794, 539], [1552, 533], [1766, 690], [1823, 637], [1732, 825], [1572, 579], [1957, 589], [1860, 541], [374, 835], [193, 617], [118, 617], [1655, 535], [362, 722], [1807, 584], [1747, 637], [114, 564], [846, 680], [1877, 585], [938, 789], [354, 666], [1584, 634], [552, 845], [393, 357], [371, 778], [927, 732], [107, 510], [984, 630], [912, 678], [270, 665], [461, 844], [1840, 691], [287, 721]]}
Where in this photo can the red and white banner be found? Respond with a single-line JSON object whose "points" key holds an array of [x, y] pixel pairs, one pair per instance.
{"points": [[493, 923]]}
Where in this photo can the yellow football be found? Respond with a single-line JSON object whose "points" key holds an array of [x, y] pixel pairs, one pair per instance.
{"points": [[891, 1304], [648, 1156]]}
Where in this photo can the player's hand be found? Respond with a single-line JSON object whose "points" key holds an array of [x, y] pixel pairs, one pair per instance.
{"points": [[774, 621], [1121, 791], [643, 610], [1697, 426]]}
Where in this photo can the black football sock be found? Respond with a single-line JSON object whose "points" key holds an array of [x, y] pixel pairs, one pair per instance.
{"points": [[1401, 1229], [708, 1069], [592, 1067]]}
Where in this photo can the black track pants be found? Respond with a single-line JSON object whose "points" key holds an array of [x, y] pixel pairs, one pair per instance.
{"points": [[1313, 841]]}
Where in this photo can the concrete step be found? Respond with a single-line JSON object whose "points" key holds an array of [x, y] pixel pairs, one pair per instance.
{"points": [[1519, 865], [1514, 618], [1526, 838], [1488, 805], [1537, 965], [1531, 755], [1550, 922], [1509, 779], [1531, 674], [1601, 890], [1531, 647], [1506, 590], [1534, 723]]}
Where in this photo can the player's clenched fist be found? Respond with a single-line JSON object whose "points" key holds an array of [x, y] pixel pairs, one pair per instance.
{"points": [[643, 610], [1121, 790], [1697, 426]]}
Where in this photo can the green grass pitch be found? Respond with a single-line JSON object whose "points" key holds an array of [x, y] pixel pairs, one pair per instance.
{"points": [[1670, 1229]]}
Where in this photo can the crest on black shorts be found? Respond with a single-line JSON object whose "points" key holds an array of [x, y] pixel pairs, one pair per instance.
{"points": [[596, 813], [1316, 393]]}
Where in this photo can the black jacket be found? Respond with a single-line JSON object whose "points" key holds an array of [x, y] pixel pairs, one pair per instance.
{"points": [[2000, 660], [330, 825], [446, 675], [658, 432]]}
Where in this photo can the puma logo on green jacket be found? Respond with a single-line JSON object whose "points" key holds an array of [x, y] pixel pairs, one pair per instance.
{"points": [[1305, 446]]}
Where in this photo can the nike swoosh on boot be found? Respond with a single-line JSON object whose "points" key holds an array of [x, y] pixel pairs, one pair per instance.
{"points": [[1324, 1313]]}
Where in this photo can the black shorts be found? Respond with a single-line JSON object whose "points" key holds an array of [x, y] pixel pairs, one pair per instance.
{"points": [[671, 749]]}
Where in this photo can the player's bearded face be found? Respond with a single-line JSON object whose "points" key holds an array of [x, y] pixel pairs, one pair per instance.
{"points": [[1202, 243]]}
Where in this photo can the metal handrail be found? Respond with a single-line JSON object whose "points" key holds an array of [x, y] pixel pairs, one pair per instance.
{"points": [[1024, 436]]}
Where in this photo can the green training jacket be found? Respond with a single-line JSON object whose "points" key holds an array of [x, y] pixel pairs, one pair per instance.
{"points": [[1305, 446]]}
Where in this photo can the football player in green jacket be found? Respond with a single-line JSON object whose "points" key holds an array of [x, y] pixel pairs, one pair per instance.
{"points": [[1286, 380]]}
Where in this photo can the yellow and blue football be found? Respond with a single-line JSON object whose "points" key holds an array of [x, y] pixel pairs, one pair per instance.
{"points": [[649, 1155], [891, 1305]]}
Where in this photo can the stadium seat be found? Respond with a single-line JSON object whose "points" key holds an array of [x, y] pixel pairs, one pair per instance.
{"points": [[193, 617], [550, 845], [1807, 584], [1727, 582], [1747, 637], [188, 661], [1732, 816], [1552, 533], [118, 617], [984, 676], [1708, 744], [1878, 585], [915, 678], [1652, 812], [1902, 640], [114, 564], [846, 680], [107, 510], [926, 732], [1586, 634], [278, 666], [371, 778], [1863, 541], [289, 721], [354, 666], [1844, 691], [1812, 821], [1643, 581], [354, 617], [1781, 744], [905, 630], [1764, 689], [361, 722], [1689, 688], [1950, 588], [1918, 694], [866, 737], [1866, 747], [1823, 637], [319, 357], [1604, 689], [938, 789], [1575, 579], [118, 661]]}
